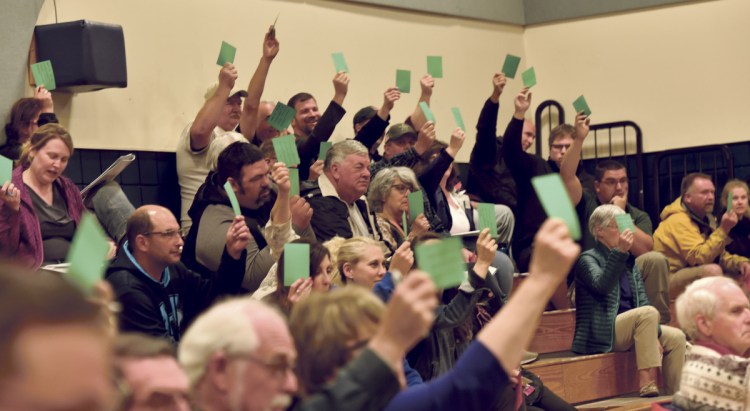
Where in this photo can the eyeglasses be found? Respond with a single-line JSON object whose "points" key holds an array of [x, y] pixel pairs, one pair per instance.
{"points": [[613, 182], [279, 369], [401, 188], [165, 234], [560, 146]]}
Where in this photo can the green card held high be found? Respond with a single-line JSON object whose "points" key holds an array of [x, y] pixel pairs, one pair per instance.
{"points": [[487, 219], [339, 62], [88, 254], [625, 222], [324, 147], [6, 170], [293, 182], [226, 54], [296, 262], [281, 117], [730, 199], [459, 119], [232, 198], [580, 105], [435, 66], [510, 66], [556, 202], [44, 75], [286, 150], [428, 114], [443, 261], [529, 77], [416, 205], [403, 80]]}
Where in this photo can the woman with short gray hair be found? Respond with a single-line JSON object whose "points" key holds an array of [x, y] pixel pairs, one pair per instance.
{"points": [[388, 197], [612, 310]]}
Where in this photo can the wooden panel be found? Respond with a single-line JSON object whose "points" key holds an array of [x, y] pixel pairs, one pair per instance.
{"points": [[555, 332]]}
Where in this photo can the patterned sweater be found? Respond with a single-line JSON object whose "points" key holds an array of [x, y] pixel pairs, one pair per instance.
{"points": [[712, 381]]}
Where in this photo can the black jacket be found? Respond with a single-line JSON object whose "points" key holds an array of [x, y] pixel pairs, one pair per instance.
{"points": [[309, 147], [166, 308]]}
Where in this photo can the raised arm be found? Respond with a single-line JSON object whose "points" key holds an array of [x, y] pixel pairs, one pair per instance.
{"points": [[209, 115], [573, 157], [249, 117], [518, 161], [371, 132], [484, 152], [417, 117]]}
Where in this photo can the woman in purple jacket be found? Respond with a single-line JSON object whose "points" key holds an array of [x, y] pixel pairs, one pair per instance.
{"points": [[40, 208]]}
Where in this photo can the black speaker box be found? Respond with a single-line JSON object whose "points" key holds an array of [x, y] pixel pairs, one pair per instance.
{"points": [[85, 55]]}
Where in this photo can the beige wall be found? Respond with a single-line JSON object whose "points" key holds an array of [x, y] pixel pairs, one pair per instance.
{"points": [[682, 73], [172, 47]]}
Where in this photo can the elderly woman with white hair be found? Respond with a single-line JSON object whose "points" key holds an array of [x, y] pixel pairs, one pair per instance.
{"points": [[715, 314], [613, 312]]}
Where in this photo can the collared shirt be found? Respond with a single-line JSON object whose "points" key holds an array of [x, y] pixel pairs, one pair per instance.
{"points": [[356, 220]]}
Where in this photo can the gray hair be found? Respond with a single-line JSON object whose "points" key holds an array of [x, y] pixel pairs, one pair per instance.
{"points": [[225, 327], [603, 216], [340, 150], [700, 297], [383, 182]]}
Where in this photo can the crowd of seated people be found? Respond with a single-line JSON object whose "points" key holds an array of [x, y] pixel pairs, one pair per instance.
{"points": [[194, 311]]}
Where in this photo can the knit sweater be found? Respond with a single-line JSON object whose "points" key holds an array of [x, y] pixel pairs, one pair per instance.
{"points": [[712, 381]]}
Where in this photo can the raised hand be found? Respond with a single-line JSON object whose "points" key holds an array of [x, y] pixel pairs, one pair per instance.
{"points": [[403, 258], [227, 76], [301, 212], [11, 196], [582, 126], [270, 44], [299, 289], [425, 138], [728, 221], [280, 175], [457, 141], [498, 84], [522, 103], [427, 84], [486, 248], [625, 241], [340, 87], [316, 170], [238, 236], [43, 95]]}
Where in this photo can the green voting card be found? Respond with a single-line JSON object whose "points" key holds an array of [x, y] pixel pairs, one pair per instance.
{"points": [[428, 114], [286, 150], [580, 105], [730, 199], [339, 62], [405, 224], [403, 80], [281, 117], [416, 205], [44, 75], [529, 77], [487, 219], [324, 147], [459, 119], [293, 182], [435, 66], [226, 54], [625, 221], [88, 254], [556, 202], [296, 262], [232, 198], [6, 170], [443, 261], [510, 66]]}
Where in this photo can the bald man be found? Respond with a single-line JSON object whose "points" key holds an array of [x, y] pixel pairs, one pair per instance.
{"points": [[159, 295]]}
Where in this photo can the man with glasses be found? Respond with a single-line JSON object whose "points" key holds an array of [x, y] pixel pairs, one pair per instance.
{"points": [[611, 187], [159, 295]]}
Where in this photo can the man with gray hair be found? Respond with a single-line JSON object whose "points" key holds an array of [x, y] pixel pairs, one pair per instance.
{"points": [[338, 197], [715, 314]]}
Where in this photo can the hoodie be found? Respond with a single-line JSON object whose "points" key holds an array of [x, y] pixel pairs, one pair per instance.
{"points": [[689, 241]]}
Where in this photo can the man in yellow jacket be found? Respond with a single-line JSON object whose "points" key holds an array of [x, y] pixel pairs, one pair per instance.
{"points": [[688, 236]]}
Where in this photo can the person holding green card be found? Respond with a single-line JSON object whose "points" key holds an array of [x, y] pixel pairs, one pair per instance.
{"points": [[215, 124], [26, 116], [267, 213], [159, 295]]}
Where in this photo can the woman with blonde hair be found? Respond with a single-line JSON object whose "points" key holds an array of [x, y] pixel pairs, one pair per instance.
{"points": [[740, 233]]}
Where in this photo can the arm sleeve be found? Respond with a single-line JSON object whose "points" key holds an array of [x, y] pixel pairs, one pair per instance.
{"points": [[474, 384], [692, 246], [732, 262], [408, 158], [597, 279], [518, 161], [371, 132], [10, 229], [226, 281], [484, 153], [433, 173], [457, 311], [309, 148], [366, 383]]}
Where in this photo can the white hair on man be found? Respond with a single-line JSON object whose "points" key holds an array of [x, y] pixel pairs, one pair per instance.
{"points": [[603, 216], [340, 150], [699, 298], [225, 327]]}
